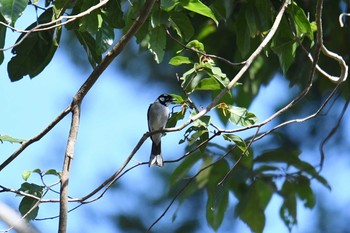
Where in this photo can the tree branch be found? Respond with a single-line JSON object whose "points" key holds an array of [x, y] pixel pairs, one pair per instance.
{"points": [[77, 100], [72, 138]]}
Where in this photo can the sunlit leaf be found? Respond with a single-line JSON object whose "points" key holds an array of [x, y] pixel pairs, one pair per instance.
{"points": [[12, 9], [26, 175], [238, 141], [179, 60], [241, 116], [199, 8], [208, 84], [157, 43], [104, 37], [51, 172], [302, 24], [196, 45], [90, 22]]}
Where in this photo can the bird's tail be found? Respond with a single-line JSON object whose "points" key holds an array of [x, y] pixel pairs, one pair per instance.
{"points": [[156, 156]]}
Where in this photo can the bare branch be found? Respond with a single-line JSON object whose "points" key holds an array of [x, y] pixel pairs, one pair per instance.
{"points": [[331, 133], [341, 22], [72, 138], [325, 51]]}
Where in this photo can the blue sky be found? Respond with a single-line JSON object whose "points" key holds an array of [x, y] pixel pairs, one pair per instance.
{"points": [[113, 119]]}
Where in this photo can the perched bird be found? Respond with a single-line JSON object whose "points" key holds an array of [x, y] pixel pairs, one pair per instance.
{"points": [[157, 116]]}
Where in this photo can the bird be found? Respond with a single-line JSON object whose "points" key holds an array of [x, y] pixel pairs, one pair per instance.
{"points": [[157, 117]]}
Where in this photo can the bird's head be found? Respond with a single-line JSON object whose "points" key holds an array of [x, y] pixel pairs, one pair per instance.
{"points": [[166, 99]]}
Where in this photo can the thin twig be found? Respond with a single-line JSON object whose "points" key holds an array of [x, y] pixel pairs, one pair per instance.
{"points": [[202, 52], [341, 22], [331, 133], [54, 23]]}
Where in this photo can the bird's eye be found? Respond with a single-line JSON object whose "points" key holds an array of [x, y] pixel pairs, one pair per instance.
{"points": [[161, 99]]}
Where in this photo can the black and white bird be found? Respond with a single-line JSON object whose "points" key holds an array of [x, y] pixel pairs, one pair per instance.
{"points": [[157, 116]]}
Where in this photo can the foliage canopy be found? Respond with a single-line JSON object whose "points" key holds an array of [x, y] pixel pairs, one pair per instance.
{"points": [[224, 50]]}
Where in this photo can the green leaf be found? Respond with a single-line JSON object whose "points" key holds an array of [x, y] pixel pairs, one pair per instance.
{"points": [[104, 37], [92, 21], [196, 45], [31, 188], [159, 17], [2, 38], [284, 45], [157, 43], [288, 210], [302, 24], [168, 5], [238, 141], [243, 37], [251, 15], [265, 14], [89, 45], [208, 84], [52, 172], [199, 135], [241, 116], [114, 14], [199, 8], [27, 204], [203, 178], [213, 71], [175, 117], [280, 155], [304, 191], [26, 175], [187, 80], [182, 25], [177, 99], [252, 205], [10, 139], [12, 9], [179, 60], [218, 196], [35, 51], [182, 170]]}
